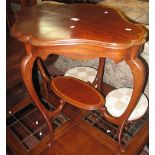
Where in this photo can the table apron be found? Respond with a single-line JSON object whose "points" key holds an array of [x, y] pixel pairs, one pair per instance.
{"points": [[82, 52]]}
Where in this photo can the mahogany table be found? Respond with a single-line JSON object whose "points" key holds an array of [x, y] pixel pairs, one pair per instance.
{"points": [[79, 31]]}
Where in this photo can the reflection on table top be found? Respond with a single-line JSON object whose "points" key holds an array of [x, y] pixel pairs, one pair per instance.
{"points": [[47, 24]]}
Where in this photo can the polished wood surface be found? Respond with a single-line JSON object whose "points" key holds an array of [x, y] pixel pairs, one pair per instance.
{"points": [[85, 144], [77, 93], [62, 24], [87, 35], [68, 30]]}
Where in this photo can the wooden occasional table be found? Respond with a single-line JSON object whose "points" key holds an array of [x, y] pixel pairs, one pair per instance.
{"points": [[79, 31]]}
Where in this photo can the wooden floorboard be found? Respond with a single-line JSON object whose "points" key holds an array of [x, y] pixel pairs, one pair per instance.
{"points": [[78, 142]]}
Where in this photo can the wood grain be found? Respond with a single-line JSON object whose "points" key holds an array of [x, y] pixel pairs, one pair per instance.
{"points": [[69, 24], [77, 93]]}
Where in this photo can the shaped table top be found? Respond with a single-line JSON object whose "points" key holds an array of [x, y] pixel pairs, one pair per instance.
{"points": [[47, 24]]}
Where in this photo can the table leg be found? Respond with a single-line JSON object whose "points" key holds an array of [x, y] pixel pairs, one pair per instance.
{"points": [[26, 69], [139, 73], [99, 77]]}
